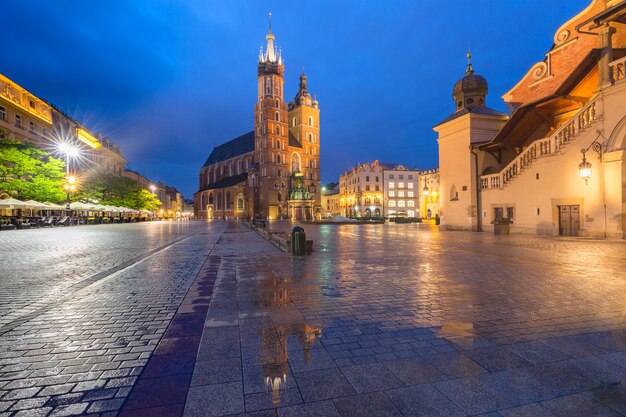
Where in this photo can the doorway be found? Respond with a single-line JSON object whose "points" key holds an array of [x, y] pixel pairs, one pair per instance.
{"points": [[569, 220]]}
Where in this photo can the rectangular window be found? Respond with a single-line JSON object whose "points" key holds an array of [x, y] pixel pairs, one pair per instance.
{"points": [[401, 203], [411, 213], [377, 201], [400, 185], [400, 177], [367, 178], [410, 194], [400, 193], [377, 188], [410, 185], [3, 113], [392, 193], [410, 177], [18, 120], [392, 185], [31, 126], [410, 203], [390, 176], [376, 179], [32, 104], [367, 188], [509, 213], [392, 203]]}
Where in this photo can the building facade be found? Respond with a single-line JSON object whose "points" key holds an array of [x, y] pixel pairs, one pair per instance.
{"points": [[331, 202], [273, 171], [401, 191], [361, 191], [26, 118], [429, 187], [557, 164]]}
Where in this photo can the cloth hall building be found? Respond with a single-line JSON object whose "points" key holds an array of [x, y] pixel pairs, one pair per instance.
{"points": [[272, 171], [557, 163]]}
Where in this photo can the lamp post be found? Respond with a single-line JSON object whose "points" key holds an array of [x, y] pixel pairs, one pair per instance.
{"points": [[584, 168], [152, 189], [70, 151]]}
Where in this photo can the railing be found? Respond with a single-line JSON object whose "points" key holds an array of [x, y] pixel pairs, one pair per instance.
{"points": [[544, 147], [618, 69]]}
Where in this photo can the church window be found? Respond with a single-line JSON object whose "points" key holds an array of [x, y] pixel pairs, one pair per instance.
{"points": [[219, 201], [277, 144], [278, 103], [295, 163], [310, 121], [278, 158], [228, 202], [238, 166], [230, 169], [310, 137], [280, 197], [278, 173], [277, 116], [210, 198], [293, 122], [261, 159], [221, 169], [239, 202], [278, 130]]}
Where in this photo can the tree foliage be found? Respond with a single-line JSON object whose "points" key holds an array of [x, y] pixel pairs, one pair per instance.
{"points": [[106, 188], [27, 172]]}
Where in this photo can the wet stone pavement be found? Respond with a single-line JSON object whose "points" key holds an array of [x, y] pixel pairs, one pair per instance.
{"points": [[209, 319]]}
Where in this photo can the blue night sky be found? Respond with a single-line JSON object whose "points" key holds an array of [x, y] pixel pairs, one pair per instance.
{"points": [[169, 80]]}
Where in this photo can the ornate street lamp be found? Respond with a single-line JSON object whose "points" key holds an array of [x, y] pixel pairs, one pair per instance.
{"points": [[71, 152], [584, 168]]}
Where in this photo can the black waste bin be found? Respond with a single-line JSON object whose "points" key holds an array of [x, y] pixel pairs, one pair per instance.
{"points": [[298, 241]]}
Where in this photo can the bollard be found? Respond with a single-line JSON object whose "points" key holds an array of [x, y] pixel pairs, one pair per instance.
{"points": [[298, 241]]}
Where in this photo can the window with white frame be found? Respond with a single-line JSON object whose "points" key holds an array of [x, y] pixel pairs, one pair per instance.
{"points": [[400, 185], [392, 185], [410, 194], [3, 113], [18, 120], [392, 203], [392, 193], [410, 185], [400, 193], [31, 126], [401, 203], [410, 203]]}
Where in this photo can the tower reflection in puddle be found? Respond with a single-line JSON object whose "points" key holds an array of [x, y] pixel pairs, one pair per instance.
{"points": [[287, 321]]}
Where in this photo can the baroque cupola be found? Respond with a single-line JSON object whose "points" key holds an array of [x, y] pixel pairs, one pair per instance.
{"points": [[471, 90]]}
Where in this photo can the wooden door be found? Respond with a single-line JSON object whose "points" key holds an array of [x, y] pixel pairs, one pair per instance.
{"points": [[569, 220]]}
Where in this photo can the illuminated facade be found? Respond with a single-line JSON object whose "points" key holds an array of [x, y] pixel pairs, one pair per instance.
{"points": [[331, 202], [26, 118], [401, 191], [361, 191], [429, 189], [526, 169], [273, 171]]}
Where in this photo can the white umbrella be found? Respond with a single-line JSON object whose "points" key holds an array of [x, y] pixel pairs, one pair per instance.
{"points": [[12, 203], [35, 204]]}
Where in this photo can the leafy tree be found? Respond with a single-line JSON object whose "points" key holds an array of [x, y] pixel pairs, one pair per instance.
{"points": [[27, 172], [106, 188]]}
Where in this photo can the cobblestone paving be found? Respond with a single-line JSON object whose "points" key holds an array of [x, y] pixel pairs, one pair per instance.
{"points": [[83, 350], [395, 320]]}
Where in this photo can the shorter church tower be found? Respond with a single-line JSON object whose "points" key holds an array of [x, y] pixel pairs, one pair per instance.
{"points": [[471, 124], [304, 133]]}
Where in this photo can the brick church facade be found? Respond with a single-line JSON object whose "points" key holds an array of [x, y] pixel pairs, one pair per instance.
{"points": [[273, 171]]}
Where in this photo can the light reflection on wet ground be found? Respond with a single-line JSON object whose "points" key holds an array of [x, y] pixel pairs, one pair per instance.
{"points": [[405, 320]]}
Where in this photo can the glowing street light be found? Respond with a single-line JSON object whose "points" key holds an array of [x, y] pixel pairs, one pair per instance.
{"points": [[425, 191], [71, 152]]}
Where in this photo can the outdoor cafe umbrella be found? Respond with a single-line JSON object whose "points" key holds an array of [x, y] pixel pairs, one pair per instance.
{"points": [[12, 203]]}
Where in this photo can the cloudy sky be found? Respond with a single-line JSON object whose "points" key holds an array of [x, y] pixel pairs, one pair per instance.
{"points": [[169, 80]]}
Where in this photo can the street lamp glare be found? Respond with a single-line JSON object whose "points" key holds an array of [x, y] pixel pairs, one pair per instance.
{"points": [[69, 149]]}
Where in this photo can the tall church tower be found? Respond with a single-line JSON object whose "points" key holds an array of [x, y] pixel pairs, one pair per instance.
{"points": [[270, 133]]}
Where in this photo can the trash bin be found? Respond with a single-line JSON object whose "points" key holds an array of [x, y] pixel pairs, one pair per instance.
{"points": [[298, 241]]}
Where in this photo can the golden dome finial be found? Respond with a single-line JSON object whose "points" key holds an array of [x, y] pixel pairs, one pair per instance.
{"points": [[470, 69]]}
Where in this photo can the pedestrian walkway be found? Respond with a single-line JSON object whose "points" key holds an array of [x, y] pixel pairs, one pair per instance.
{"points": [[385, 320]]}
